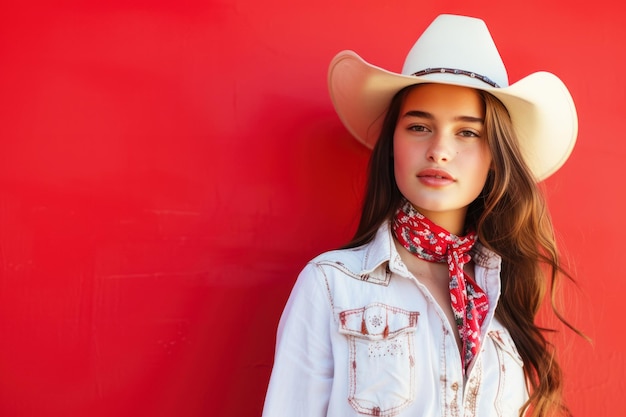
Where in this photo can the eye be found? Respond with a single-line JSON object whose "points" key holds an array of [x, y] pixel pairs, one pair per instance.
{"points": [[418, 128], [467, 133]]}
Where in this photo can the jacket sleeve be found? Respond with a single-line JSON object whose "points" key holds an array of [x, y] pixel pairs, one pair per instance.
{"points": [[302, 374]]}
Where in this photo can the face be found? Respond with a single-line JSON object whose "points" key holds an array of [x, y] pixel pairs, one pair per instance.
{"points": [[441, 155]]}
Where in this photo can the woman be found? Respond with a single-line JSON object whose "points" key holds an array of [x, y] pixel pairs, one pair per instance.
{"points": [[430, 309]]}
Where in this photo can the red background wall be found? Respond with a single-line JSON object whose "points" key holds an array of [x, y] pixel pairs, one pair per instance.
{"points": [[167, 167]]}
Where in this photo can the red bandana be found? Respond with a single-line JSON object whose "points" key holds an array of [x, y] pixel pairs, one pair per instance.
{"points": [[432, 243]]}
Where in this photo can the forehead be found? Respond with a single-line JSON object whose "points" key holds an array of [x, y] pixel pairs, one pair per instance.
{"points": [[444, 99]]}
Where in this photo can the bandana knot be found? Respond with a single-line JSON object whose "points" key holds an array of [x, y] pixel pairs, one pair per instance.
{"points": [[432, 243]]}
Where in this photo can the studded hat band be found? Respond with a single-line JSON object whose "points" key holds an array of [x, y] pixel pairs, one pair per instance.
{"points": [[456, 71]]}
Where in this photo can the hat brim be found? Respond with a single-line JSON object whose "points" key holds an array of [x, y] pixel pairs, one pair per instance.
{"points": [[540, 105]]}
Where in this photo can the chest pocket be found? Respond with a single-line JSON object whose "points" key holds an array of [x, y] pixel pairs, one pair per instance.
{"points": [[381, 358]]}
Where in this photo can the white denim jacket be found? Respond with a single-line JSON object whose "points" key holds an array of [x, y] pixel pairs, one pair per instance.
{"points": [[334, 357]]}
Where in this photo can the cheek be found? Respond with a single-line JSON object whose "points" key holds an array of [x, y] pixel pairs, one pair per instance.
{"points": [[398, 153], [402, 160], [401, 165], [488, 161], [481, 169], [405, 148], [485, 163]]}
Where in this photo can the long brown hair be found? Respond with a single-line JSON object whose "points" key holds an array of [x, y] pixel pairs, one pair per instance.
{"points": [[511, 218]]}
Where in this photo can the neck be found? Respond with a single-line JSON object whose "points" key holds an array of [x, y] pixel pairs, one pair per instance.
{"points": [[453, 221]]}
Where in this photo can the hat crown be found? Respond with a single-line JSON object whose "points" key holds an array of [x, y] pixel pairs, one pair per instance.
{"points": [[459, 50], [460, 43]]}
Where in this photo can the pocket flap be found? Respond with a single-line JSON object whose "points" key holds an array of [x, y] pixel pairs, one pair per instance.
{"points": [[377, 321]]}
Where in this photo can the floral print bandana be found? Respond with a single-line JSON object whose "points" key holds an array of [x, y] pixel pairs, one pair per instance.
{"points": [[432, 243]]}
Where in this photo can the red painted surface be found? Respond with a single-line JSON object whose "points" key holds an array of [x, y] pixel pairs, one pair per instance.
{"points": [[166, 168]]}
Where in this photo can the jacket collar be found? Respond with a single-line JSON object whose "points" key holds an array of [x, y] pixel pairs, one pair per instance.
{"points": [[381, 257]]}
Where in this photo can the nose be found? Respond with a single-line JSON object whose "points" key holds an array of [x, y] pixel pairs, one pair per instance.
{"points": [[440, 149]]}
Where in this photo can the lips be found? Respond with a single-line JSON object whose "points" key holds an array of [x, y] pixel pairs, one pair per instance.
{"points": [[435, 173], [435, 177]]}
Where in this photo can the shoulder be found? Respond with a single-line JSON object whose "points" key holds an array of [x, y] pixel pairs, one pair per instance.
{"points": [[340, 261], [351, 257], [368, 262]]}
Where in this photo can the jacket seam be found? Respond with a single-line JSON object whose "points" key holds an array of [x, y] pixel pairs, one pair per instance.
{"points": [[328, 292], [341, 267]]}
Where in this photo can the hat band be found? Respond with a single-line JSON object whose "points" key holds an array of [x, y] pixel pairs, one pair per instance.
{"points": [[483, 78]]}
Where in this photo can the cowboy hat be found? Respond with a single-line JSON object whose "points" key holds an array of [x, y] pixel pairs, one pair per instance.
{"points": [[459, 50]]}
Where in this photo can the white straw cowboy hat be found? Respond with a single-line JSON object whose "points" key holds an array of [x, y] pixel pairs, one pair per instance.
{"points": [[459, 50]]}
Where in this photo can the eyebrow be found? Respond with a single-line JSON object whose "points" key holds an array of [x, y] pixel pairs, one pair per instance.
{"points": [[429, 116]]}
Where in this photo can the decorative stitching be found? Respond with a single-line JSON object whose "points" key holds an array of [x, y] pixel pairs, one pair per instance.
{"points": [[365, 277], [388, 343]]}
